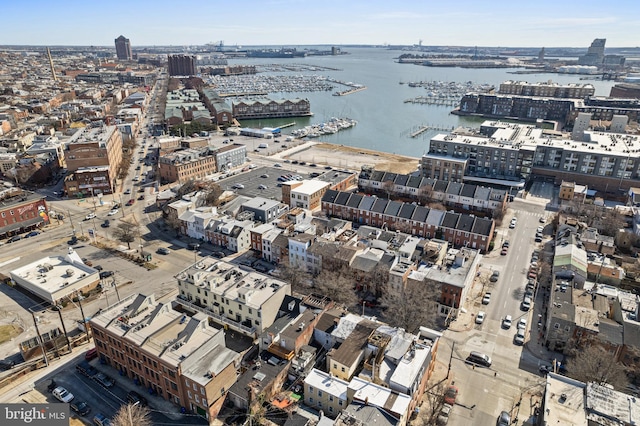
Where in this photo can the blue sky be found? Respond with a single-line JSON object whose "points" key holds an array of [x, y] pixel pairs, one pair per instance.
{"points": [[515, 23]]}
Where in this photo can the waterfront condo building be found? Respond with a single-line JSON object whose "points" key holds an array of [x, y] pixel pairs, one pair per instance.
{"points": [[509, 154], [246, 302], [123, 49], [95, 153], [171, 352]]}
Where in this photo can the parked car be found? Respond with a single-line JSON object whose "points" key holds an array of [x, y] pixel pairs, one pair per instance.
{"points": [[450, 395], [91, 354], [80, 407], [14, 239], [163, 250], [519, 337], [506, 322], [131, 201], [90, 216], [522, 324], [106, 274], [494, 277], [193, 246], [218, 254], [541, 220], [486, 299], [106, 223], [443, 416], [513, 223], [480, 317], [526, 303], [127, 191], [104, 380], [86, 369], [73, 240], [62, 395], [262, 186], [135, 398], [32, 234], [504, 419], [7, 365], [101, 420], [504, 251], [112, 212]]}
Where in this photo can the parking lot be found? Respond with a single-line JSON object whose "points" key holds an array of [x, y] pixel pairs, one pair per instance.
{"points": [[255, 185], [107, 401]]}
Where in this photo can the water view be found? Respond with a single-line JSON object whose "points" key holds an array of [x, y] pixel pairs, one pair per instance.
{"points": [[385, 121]]}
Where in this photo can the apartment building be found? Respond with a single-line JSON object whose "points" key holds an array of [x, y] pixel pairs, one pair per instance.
{"points": [[230, 156], [269, 108], [98, 152], [547, 89], [246, 302], [174, 353], [187, 164], [508, 153]]}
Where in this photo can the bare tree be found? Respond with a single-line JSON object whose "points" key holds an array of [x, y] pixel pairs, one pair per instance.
{"points": [[186, 188], [434, 400], [594, 364], [388, 188], [174, 223], [411, 307], [337, 284], [126, 233], [132, 415], [211, 196], [295, 276], [425, 194]]}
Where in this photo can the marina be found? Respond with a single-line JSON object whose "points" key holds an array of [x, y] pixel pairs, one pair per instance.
{"points": [[334, 125], [445, 93]]}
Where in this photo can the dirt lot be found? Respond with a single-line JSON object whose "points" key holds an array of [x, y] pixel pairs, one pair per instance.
{"points": [[353, 158]]}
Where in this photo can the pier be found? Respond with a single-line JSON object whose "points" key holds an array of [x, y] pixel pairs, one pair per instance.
{"points": [[284, 126], [415, 133]]}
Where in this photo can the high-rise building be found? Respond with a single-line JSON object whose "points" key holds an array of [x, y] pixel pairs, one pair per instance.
{"points": [[123, 48], [595, 53], [182, 65]]}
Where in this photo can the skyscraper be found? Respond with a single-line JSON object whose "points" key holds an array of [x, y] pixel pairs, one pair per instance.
{"points": [[123, 48]]}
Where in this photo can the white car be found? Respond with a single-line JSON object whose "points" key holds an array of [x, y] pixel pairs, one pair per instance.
{"points": [[522, 324], [480, 317], [62, 394], [513, 223], [519, 338], [112, 212], [540, 229], [90, 216], [506, 322], [486, 299]]}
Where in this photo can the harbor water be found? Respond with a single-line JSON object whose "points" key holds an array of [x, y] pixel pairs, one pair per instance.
{"points": [[385, 121]]}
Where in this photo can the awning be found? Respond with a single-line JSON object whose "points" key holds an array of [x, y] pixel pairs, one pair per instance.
{"points": [[19, 225]]}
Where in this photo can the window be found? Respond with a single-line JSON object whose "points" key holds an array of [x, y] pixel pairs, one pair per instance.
{"points": [[310, 400], [556, 325], [319, 393]]}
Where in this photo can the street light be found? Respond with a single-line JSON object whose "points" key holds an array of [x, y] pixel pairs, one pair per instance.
{"points": [[195, 253]]}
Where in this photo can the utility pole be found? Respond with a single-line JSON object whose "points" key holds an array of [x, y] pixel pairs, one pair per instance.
{"points": [[66, 336], [453, 345], [44, 352], [84, 319], [113, 282]]}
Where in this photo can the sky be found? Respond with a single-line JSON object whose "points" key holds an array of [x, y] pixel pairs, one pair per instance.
{"points": [[515, 23]]}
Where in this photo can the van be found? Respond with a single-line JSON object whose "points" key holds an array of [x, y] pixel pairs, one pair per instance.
{"points": [[480, 359], [263, 145]]}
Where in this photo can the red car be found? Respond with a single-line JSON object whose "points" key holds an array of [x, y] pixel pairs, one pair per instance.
{"points": [[450, 395], [131, 201], [504, 251], [91, 354]]}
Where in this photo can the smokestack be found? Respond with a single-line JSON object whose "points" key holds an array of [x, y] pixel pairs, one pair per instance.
{"points": [[53, 70]]}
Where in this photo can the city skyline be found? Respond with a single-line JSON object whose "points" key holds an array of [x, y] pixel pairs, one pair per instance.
{"points": [[302, 22]]}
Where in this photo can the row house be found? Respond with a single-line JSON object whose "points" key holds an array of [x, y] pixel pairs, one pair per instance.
{"points": [[247, 302], [233, 234], [195, 222], [459, 229], [464, 195], [172, 352], [298, 246]]}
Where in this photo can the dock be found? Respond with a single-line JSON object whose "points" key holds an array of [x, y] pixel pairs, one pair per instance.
{"points": [[284, 126], [423, 129]]}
